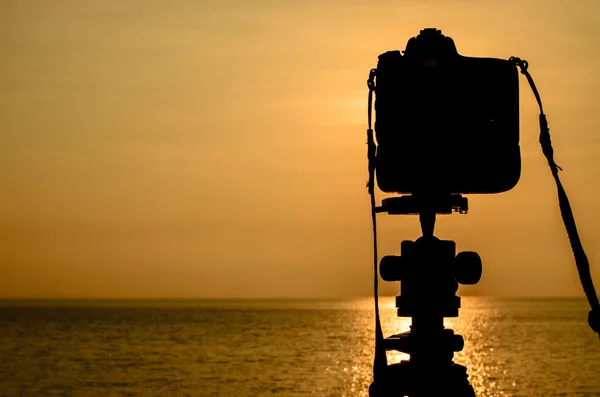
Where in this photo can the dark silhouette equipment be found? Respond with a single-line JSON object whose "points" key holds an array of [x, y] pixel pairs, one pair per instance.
{"points": [[445, 121], [446, 125]]}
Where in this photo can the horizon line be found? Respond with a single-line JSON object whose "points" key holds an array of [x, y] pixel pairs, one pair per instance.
{"points": [[268, 298]]}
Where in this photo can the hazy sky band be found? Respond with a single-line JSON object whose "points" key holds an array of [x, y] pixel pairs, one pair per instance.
{"points": [[217, 149]]}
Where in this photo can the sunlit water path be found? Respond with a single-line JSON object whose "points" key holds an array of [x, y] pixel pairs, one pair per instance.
{"points": [[284, 348]]}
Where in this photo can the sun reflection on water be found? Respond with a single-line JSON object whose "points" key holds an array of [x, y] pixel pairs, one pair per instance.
{"points": [[510, 346], [473, 322]]}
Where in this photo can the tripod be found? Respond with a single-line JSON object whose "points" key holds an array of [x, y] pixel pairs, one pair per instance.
{"points": [[429, 271]]}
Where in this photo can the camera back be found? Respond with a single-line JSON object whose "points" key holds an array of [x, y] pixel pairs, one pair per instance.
{"points": [[446, 123]]}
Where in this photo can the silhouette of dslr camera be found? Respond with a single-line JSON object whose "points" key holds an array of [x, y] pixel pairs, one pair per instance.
{"points": [[445, 123]]}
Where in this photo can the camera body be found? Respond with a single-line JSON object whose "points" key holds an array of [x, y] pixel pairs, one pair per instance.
{"points": [[445, 123]]}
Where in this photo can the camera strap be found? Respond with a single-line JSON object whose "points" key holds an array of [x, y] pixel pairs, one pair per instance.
{"points": [[380, 360], [581, 260]]}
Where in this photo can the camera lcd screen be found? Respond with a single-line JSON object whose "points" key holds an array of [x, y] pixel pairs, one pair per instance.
{"points": [[452, 124]]}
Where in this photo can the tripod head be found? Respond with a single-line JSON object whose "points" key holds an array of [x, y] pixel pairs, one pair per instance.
{"points": [[464, 268]]}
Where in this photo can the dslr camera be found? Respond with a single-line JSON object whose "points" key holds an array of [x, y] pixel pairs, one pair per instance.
{"points": [[445, 123]]}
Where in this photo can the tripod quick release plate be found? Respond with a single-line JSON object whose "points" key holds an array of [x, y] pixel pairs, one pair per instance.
{"points": [[414, 205]]}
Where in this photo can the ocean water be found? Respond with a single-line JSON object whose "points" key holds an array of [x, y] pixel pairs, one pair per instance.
{"points": [[279, 348]]}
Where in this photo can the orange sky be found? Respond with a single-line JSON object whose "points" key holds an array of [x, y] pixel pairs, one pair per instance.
{"points": [[216, 148]]}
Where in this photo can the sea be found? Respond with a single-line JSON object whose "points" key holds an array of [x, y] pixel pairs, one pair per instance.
{"points": [[236, 348]]}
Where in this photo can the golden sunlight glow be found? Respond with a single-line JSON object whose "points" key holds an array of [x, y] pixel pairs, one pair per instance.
{"points": [[217, 149]]}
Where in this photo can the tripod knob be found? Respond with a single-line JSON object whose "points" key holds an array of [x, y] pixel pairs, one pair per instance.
{"points": [[391, 268], [458, 343], [467, 267]]}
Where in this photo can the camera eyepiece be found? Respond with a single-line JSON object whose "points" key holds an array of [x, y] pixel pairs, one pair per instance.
{"points": [[430, 44]]}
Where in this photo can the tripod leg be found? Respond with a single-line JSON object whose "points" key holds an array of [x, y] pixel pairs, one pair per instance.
{"points": [[406, 379], [460, 382]]}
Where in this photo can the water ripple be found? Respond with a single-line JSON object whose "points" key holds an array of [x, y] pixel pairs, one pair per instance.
{"points": [[291, 348]]}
